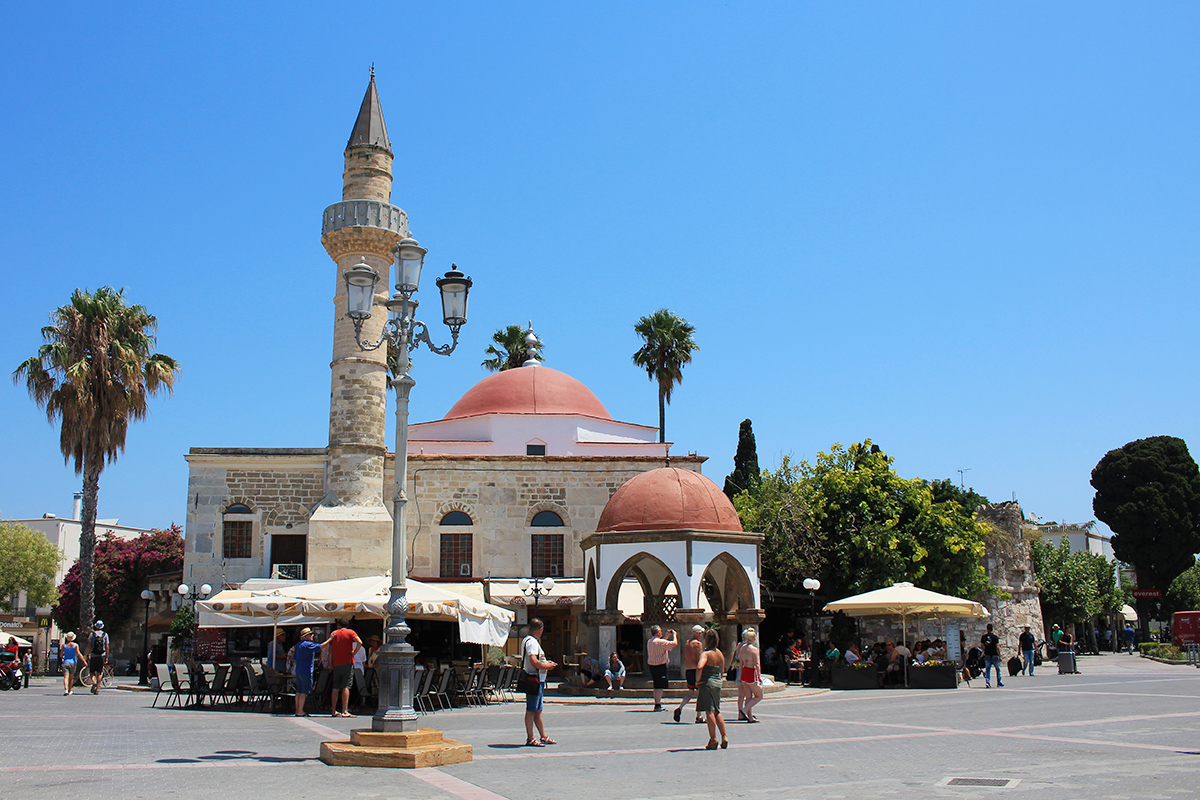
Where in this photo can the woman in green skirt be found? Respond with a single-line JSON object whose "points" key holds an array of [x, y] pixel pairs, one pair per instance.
{"points": [[712, 673]]}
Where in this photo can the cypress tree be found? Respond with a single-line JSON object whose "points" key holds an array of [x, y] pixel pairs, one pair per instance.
{"points": [[745, 462]]}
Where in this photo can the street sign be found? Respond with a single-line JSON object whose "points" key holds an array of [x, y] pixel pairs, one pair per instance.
{"points": [[1147, 593]]}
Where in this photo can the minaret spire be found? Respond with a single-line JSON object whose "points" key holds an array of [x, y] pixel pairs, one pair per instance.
{"points": [[369, 128]]}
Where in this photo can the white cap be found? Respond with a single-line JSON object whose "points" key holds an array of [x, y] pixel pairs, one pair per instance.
{"points": [[697, 629]]}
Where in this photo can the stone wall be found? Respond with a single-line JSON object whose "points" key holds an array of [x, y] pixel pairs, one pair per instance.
{"points": [[1009, 565]]}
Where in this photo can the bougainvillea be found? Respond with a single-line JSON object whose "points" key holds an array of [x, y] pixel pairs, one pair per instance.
{"points": [[123, 567]]}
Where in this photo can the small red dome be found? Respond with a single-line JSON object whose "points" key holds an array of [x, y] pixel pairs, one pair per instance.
{"points": [[528, 390], [669, 499]]}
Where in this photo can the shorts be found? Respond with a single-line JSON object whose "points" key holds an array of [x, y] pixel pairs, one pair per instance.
{"points": [[342, 676], [749, 675], [533, 700], [304, 683], [658, 672], [690, 676], [96, 664]]}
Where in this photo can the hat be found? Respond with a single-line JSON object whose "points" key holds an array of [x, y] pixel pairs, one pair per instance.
{"points": [[1056, 626], [99, 625], [306, 631], [697, 629]]}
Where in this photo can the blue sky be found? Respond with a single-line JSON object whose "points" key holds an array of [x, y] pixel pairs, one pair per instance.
{"points": [[966, 232]]}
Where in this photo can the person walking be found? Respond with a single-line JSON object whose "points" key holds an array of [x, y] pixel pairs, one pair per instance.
{"points": [[535, 663], [749, 676], [303, 655], [991, 657], [343, 643], [1129, 637], [70, 663], [712, 674], [658, 652], [97, 654], [1026, 642], [691, 671], [27, 667]]}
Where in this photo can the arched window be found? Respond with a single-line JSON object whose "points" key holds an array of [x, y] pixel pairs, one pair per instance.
{"points": [[456, 518], [546, 519], [237, 530]]}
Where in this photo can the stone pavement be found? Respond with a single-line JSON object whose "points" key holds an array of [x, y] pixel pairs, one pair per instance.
{"points": [[1125, 727]]}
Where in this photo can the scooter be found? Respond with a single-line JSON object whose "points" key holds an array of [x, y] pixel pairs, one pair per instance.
{"points": [[10, 675]]}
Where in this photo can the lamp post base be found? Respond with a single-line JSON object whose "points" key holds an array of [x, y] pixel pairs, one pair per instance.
{"points": [[424, 747]]}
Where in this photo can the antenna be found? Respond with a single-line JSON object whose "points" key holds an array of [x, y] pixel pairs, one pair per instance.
{"points": [[960, 476]]}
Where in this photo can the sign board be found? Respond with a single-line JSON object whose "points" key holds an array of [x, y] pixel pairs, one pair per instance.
{"points": [[1147, 593]]}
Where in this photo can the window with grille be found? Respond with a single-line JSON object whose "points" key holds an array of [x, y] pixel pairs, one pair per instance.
{"points": [[236, 543], [456, 555], [546, 555]]}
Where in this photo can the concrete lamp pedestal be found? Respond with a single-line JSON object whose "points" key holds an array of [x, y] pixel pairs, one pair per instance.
{"points": [[424, 747]]}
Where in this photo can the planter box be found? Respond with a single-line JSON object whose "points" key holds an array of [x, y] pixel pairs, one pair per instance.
{"points": [[847, 678], [936, 677]]}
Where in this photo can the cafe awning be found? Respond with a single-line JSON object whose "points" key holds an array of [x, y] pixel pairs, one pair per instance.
{"points": [[907, 600]]}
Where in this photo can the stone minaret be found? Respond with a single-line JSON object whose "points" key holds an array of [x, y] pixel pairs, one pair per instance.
{"points": [[350, 533]]}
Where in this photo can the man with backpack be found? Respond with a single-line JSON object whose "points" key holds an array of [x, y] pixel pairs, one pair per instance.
{"points": [[97, 654]]}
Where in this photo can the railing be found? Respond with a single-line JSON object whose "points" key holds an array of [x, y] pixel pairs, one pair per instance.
{"points": [[364, 214]]}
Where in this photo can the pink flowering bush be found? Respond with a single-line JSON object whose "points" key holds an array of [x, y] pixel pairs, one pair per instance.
{"points": [[123, 569]]}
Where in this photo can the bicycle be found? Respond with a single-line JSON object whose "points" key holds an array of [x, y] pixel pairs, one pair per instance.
{"points": [[107, 679]]}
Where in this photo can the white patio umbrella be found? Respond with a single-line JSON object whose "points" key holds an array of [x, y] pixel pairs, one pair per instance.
{"points": [[905, 600]]}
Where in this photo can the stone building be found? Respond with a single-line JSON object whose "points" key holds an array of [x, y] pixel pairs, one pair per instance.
{"points": [[505, 486]]}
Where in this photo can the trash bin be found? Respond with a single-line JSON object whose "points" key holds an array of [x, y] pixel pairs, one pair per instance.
{"points": [[1066, 663]]}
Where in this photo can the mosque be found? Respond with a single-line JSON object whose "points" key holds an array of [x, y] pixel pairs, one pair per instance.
{"points": [[526, 476]]}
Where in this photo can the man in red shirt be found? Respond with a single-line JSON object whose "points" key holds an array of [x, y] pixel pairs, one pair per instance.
{"points": [[342, 644]]}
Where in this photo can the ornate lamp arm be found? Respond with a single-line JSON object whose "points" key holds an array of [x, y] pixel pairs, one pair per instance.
{"points": [[420, 333]]}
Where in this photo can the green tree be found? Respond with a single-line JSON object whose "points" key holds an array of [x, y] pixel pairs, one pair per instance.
{"points": [[1067, 582], [968, 499], [792, 550], [94, 374], [667, 348], [509, 349], [1148, 492], [851, 521], [28, 563], [1184, 592], [745, 462]]}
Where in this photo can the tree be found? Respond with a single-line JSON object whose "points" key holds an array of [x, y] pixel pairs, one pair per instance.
{"points": [[745, 462], [667, 349], [1067, 582], [968, 499], [1148, 492], [792, 550], [510, 349], [28, 563], [94, 374], [851, 521], [1184, 592], [123, 568]]}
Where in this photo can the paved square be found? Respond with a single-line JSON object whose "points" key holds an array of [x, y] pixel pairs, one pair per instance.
{"points": [[1124, 728]]}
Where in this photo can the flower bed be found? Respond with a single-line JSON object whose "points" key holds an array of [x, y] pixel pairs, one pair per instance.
{"points": [[855, 678], [933, 676]]}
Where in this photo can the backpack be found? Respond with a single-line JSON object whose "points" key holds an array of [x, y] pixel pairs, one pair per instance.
{"points": [[99, 644]]}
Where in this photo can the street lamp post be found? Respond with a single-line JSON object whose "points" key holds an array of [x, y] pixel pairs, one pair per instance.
{"points": [[403, 333], [144, 672], [812, 584], [194, 593], [535, 588]]}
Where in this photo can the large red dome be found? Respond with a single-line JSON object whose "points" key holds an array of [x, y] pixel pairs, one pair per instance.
{"points": [[669, 499], [528, 390]]}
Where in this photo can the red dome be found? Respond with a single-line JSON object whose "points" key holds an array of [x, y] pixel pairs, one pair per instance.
{"points": [[669, 499], [528, 390]]}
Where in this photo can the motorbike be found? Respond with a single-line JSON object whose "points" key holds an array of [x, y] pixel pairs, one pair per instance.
{"points": [[10, 672]]}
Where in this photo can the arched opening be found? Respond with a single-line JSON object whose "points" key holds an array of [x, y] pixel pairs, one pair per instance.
{"points": [[645, 587], [725, 586], [589, 589]]}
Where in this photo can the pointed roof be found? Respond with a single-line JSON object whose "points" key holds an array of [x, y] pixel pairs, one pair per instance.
{"points": [[369, 128]]}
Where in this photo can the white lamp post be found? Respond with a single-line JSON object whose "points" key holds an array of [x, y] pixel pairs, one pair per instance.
{"points": [[535, 588], [812, 584], [144, 672], [403, 333]]}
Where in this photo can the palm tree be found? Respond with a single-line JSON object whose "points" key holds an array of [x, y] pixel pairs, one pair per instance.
{"points": [[510, 350], [94, 374], [669, 345]]}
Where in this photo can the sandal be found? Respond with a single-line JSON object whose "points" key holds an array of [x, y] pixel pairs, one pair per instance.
{"points": [[724, 744], [533, 743], [712, 745], [548, 740]]}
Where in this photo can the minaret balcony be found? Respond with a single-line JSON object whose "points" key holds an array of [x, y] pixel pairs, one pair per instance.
{"points": [[364, 214]]}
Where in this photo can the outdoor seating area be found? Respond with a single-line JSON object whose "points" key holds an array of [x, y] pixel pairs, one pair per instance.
{"points": [[260, 688]]}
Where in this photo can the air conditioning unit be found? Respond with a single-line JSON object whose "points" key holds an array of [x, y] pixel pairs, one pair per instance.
{"points": [[291, 572]]}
